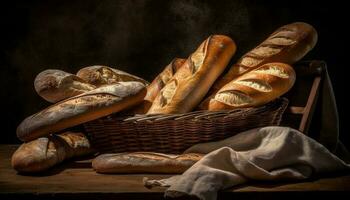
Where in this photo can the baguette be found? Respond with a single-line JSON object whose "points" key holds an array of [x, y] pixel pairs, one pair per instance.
{"points": [[45, 152], [144, 162], [192, 81], [157, 84], [88, 106], [255, 88], [102, 75], [55, 85], [288, 44]]}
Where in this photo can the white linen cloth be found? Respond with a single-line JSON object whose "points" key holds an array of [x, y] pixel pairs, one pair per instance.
{"points": [[268, 153]]}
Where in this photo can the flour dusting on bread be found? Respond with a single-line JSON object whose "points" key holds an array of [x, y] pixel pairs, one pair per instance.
{"points": [[256, 84], [273, 70], [233, 98]]}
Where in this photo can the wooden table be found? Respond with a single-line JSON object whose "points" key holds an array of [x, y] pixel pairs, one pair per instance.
{"points": [[76, 180]]}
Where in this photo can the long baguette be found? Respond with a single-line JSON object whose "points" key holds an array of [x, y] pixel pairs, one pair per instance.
{"points": [[55, 85], [192, 81], [255, 88], [157, 85], [288, 44], [144, 162], [99, 75], [88, 106]]}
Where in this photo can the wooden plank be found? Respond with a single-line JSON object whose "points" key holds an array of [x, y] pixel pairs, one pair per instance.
{"points": [[77, 180], [310, 106], [297, 110]]}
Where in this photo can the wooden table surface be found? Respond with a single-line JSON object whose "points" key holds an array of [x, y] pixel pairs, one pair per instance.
{"points": [[73, 180]]}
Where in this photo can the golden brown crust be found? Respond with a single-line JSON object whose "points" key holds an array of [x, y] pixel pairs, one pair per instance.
{"points": [[288, 44], [144, 162], [157, 84], [45, 152], [255, 88], [97, 103], [192, 81]]}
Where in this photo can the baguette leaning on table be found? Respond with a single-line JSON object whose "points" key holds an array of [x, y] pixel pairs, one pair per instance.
{"points": [[45, 152], [288, 44], [102, 75], [192, 81], [144, 162], [255, 88], [76, 110], [55, 85], [157, 84]]}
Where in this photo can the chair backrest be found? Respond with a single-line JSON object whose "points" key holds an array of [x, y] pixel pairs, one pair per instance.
{"points": [[304, 95]]}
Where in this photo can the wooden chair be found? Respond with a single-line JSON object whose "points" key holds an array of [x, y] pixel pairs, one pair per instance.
{"points": [[304, 95]]}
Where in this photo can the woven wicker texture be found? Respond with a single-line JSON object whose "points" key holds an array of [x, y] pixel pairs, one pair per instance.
{"points": [[176, 132]]}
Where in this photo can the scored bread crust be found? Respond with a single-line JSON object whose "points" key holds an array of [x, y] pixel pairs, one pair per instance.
{"points": [[157, 85], [45, 152], [144, 162], [163, 78], [55, 85], [192, 81], [102, 75], [288, 44], [255, 88], [76, 110]]}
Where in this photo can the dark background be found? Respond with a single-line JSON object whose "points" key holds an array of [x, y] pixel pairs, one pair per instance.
{"points": [[141, 37]]}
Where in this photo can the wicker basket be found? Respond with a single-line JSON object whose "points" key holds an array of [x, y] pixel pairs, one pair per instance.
{"points": [[177, 132]]}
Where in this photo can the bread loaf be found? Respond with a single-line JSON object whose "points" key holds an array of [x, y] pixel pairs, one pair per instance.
{"points": [[103, 75], [288, 44], [192, 81], [45, 152], [144, 162], [255, 88], [55, 85], [88, 106], [157, 84]]}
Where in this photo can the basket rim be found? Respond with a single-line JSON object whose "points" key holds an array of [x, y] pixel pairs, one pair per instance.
{"points": [[282, 102]]}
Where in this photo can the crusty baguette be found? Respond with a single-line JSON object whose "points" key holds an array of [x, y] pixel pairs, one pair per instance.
{"points": [[45, 152], [288, 44], [55, 85], [255, 88], [192, 81], [88, 106], [144, 162], [102, 75], [157, 84]]}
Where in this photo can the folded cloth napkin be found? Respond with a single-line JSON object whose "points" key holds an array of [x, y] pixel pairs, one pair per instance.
{"points": [[268, 153]]}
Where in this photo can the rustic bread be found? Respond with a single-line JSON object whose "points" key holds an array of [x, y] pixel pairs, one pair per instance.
{"points": [[55, 85], [102, 75], [288, 44], [255, 88], [144, 162], [76, 110], [157, 84], [45, 152], [192, 81]]}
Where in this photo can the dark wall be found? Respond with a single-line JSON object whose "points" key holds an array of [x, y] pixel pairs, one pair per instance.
{"points": [[141, 37]]}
